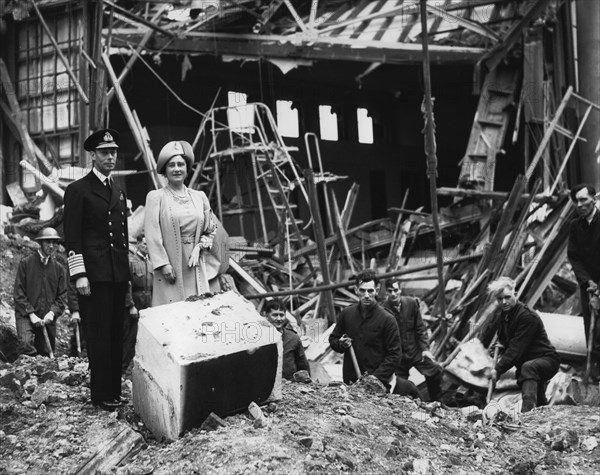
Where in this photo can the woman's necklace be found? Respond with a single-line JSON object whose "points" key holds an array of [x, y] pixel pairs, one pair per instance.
{"points": [[181, 199]]}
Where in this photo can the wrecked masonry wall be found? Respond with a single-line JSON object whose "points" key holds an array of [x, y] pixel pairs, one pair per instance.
{"points": [[193, 358]]}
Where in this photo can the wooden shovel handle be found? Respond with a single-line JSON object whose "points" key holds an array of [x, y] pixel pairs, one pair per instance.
{"points": [[47, 340]]}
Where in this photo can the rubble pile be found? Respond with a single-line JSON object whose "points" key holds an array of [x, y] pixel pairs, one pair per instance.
{"points": [[47, 425]]}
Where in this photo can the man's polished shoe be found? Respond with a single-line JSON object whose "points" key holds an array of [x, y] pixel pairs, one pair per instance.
{"points": [[109, 405]]}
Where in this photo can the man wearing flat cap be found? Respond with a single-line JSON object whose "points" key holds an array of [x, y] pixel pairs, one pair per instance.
{"points": [[96, 238]]}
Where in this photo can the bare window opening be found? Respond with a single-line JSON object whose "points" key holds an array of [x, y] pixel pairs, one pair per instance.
{"points": [[365, 126], [235, 98], [328, 123], [287, 119], [240, 115]]}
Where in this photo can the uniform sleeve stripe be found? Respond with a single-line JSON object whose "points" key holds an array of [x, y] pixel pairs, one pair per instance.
{"points": [[76, 265]]}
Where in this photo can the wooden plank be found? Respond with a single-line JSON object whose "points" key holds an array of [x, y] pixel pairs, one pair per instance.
{"points": [[109, 455], [564, 216], [256, 285], [293, 46], [548, 133], [47, 183], [332, 239], [130, 117], [15, 116], [341, 233], [491, 195], [319, 238], [492, 253], [16, 194]]}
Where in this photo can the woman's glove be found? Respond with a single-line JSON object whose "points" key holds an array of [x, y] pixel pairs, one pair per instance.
{"points": [[195, 256], [206, 242]]}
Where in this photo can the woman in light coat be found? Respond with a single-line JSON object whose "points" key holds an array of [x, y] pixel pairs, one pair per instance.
{"points": [[180, 228]]}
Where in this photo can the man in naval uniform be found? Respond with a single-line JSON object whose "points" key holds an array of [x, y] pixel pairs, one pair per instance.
{"points": [[95, 225]]}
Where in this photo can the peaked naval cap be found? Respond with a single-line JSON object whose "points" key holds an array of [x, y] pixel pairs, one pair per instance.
{"points": [[104, 138]]}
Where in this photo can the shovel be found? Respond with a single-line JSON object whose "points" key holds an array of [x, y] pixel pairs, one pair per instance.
{"points": [[492, 383], [594, 307], [77, 339], [47, 340]]}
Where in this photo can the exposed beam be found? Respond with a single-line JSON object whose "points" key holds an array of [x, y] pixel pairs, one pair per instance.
{"points": [[137, 18], [297, 47], [313, 13], [467, 24], [295, 15], [408, 9], [497, 54]]}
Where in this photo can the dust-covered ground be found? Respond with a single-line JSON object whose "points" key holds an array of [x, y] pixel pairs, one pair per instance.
{"points": [[47, 425]]}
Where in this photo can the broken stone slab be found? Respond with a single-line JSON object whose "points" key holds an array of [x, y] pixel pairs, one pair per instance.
{"points": [[215, 354], [212, 422], [589, 443], [257, 415]]}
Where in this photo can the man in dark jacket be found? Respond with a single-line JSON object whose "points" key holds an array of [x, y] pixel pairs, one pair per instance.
{"points": [[584, 255], [96, 238], [371, 331], [294, 358], [40, 293], [413, 335], [522, 333]]}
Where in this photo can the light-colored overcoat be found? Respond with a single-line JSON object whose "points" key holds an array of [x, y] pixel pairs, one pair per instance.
{"points": [[163, 238]]}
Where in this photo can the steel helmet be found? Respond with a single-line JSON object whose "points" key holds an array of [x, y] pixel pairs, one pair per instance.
{"points": [[48, 234], [173, 149]]}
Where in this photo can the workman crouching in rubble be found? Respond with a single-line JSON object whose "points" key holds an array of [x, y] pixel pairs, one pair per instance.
{"points": [[527, 347], [294, 358]]}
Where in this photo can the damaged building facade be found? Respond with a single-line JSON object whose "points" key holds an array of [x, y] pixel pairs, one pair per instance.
{"points": [[307, 121]]}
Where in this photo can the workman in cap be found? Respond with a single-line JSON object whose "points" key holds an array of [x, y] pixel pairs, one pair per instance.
{"points": [[40, 293], [583, 252], [96, 238]]}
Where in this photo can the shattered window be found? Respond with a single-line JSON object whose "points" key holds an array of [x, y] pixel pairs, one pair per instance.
{"points": [[240, 115], [365, 126], [328, 123], [287, 119], [47, 96]]}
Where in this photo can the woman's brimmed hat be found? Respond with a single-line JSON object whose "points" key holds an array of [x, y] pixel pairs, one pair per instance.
{"points": [[173, 149]]}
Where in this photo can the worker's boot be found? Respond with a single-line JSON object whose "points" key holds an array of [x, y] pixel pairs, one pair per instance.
{"points": [[529, 392], [434, 387]]}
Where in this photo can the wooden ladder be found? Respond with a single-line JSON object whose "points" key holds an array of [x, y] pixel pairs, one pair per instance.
{"points": [[490, 124]]}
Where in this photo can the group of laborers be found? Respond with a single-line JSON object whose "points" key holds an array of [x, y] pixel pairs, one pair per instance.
{"points": [[180, 232], [374, 344]]}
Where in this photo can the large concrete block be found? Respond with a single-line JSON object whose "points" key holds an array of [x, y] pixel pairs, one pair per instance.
{"points": [[193, 358]]}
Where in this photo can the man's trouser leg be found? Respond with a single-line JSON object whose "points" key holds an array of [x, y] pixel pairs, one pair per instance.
{"points": [[587, 318], [26, 333], [532, 376], [404, 387], [433, 377], [103, 315]]}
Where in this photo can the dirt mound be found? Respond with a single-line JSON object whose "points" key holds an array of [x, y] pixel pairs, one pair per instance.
{"points": [[47, 425]]}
